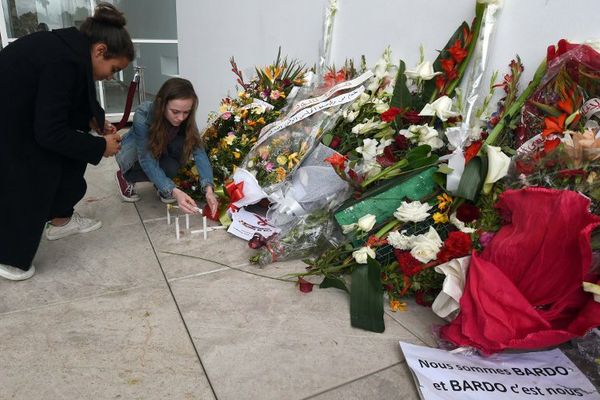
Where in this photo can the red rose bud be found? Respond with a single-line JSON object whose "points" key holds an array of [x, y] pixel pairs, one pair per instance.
{"points": [[387, 158], [412, 117], [401, 142], [335, 142], [257, 241], [304, 285], [467, 212]]}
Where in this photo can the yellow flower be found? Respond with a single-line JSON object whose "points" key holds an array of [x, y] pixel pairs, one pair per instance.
{"points": [[244, 114], [236, 154], [282, 160], [261, 120], [280, 174], [214, 151], [397, 305], [440, 218], [229, 139], [444, 201], [292, 160], [243, 95], [244, 139]]}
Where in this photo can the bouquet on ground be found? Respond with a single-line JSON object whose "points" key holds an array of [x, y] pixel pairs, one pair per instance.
{"points": [[233, 131]]}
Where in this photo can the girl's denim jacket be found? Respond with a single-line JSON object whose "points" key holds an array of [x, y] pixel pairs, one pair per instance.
{"points": [[135, 147]]}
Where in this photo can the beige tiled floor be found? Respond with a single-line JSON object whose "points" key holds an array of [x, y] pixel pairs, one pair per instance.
{"points": [[125, 313]]}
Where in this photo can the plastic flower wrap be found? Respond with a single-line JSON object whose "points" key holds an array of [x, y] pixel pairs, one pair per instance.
{"points": [[284, 144]]}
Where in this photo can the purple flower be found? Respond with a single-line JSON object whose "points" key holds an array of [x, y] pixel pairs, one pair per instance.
{"points": [[485, 238]]}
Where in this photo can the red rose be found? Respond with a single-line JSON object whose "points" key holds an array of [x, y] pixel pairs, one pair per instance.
{"points": [[387, 158], [401, 142], [335, 142], [467, 212], [412, 117]]}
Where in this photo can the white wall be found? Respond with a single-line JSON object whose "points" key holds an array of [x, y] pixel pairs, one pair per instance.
{"points": [[251, 30]]}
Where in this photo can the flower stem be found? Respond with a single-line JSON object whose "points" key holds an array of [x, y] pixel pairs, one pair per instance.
{"points": [[399, 165], [518, 104]]}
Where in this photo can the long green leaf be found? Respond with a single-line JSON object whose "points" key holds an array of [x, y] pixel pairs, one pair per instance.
{"points": [[401, 97], [471, 180], [366, 298], [331, 281]]}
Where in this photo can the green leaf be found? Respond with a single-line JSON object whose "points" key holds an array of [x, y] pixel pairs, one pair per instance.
{"points": [[471, 180], [331, 281], [444, 169], [327, 138], [401, 97], [366, 297], [546, 108], [418, 152]]}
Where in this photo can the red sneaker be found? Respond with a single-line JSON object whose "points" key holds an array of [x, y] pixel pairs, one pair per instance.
{"points": [[126, 189]]}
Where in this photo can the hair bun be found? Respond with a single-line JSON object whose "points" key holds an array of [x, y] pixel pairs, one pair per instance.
{"points": [[106, 13]]}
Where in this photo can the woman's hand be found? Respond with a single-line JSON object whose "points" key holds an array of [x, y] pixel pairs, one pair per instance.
{"points": [[113, 144], [211, 200], [185, 202]]}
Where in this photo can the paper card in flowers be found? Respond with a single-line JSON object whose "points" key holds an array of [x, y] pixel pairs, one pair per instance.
{"points": [[383, 201]]}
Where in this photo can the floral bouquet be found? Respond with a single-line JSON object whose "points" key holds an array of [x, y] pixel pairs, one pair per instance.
{"points": [[233, 131]]}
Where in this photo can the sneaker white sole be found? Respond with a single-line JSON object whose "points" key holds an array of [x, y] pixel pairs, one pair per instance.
{"points": [[97, 225], [131, 199], [15, 274]]}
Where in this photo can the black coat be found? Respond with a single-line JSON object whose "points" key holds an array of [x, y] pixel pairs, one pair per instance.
{"points": [[47, 98]]}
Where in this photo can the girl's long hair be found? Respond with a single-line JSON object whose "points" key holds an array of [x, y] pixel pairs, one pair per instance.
{"points": [[174, 89]]}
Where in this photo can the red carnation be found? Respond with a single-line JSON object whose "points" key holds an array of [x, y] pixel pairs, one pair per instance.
{"points": [[457, 244], [408, 265], [467, 212], [390, 114]]}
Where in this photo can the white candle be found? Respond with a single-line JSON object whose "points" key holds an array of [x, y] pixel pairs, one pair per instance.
{"points": [[204, 227], [177, 227], [187, 221]]}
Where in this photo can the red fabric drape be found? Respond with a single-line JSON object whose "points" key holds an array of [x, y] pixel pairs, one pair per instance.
{"points": [[524, 291]]}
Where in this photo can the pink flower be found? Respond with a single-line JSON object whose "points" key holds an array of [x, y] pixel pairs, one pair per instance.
{"points": [[226, 115], [485, 238], [269, 166], [275, 94]]}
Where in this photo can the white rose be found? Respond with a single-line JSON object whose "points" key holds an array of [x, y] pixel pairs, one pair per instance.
{"points": [[423, 71], [427, 246], [441, 107], [399, 240], [412, 212], [361, 255], [367, 222]]}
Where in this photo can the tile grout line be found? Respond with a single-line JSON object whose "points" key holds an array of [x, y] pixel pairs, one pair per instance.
{"points": [[177, 306], [312, 396], [407, 329], [199, 274]]}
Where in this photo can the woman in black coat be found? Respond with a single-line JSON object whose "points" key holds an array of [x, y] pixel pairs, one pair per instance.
{"points": [[47, 106]]}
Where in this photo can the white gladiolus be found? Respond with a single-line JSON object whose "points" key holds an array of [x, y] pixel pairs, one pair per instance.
{"points": [[367, 222], [370, 168], [441, 107], [361, 255], [423, 71], [368, 149], [414, 211], [368, 126], [350, 115], [426, 247], [381, 107], [399, 240]]}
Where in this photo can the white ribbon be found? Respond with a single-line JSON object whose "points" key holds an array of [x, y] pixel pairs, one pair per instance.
{"points": [[336, 101], [447, 302], [267, 130], [591, 108], [457, 138]]}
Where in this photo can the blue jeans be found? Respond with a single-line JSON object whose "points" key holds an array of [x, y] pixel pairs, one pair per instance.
{"points": [[127, 158]]}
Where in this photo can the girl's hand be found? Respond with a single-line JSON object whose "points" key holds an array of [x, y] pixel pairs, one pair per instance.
{"points": [[211, 200], [113, 145], [185, 202]]}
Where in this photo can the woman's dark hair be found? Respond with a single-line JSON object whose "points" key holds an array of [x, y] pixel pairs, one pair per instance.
{"points": [[174, 89], [107, 26]]}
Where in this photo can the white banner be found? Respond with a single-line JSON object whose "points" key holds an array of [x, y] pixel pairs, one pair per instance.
{"points": [[442, 375]]}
